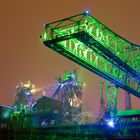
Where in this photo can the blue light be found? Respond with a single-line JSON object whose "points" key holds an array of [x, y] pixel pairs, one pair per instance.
{"points": [[87, 12], [110, 123]]}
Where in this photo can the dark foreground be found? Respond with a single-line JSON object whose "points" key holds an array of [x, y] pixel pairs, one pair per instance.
{"points": [[74, 132]]}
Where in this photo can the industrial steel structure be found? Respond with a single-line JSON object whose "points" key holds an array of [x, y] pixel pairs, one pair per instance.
{"points": [[57, 112], [88, 42]]}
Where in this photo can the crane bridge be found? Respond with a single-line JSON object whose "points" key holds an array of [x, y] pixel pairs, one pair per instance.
{"points": [[86, 41]]}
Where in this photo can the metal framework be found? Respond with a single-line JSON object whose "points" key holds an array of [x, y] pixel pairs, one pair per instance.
{"points": [[111, 91], [69, 92], [112, 94], [86, 41]]}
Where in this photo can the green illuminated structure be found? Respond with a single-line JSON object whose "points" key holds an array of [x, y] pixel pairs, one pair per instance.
{"points": [[128, 113], [86, 41]]}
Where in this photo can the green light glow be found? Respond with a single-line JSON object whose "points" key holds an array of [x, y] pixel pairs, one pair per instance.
{"points": [[95, 48], [77, 48], [111, 41], [125, 113]]}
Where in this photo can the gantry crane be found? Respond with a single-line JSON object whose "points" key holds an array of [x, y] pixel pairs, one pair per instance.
{"points": [[86, 41]]}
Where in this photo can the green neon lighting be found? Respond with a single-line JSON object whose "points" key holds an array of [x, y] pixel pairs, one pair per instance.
{"points": [[77, 48], [124, 113], [62, 37], [123, 49]]}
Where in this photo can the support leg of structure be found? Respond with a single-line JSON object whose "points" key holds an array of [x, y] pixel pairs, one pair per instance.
{"points": [[112, 94], [127, 101], [102, 102]]}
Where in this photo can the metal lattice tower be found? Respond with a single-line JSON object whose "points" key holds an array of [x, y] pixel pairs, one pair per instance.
{"points": [[112, 94], [88, 42]]}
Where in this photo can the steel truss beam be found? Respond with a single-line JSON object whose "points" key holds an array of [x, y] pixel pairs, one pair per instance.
{"points": [[86, 41]]}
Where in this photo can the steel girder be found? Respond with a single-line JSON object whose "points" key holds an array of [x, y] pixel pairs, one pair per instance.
{"points": [[88, 42]]}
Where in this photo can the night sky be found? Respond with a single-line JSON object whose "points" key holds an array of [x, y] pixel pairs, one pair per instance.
{"points": [[23, 55]]}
